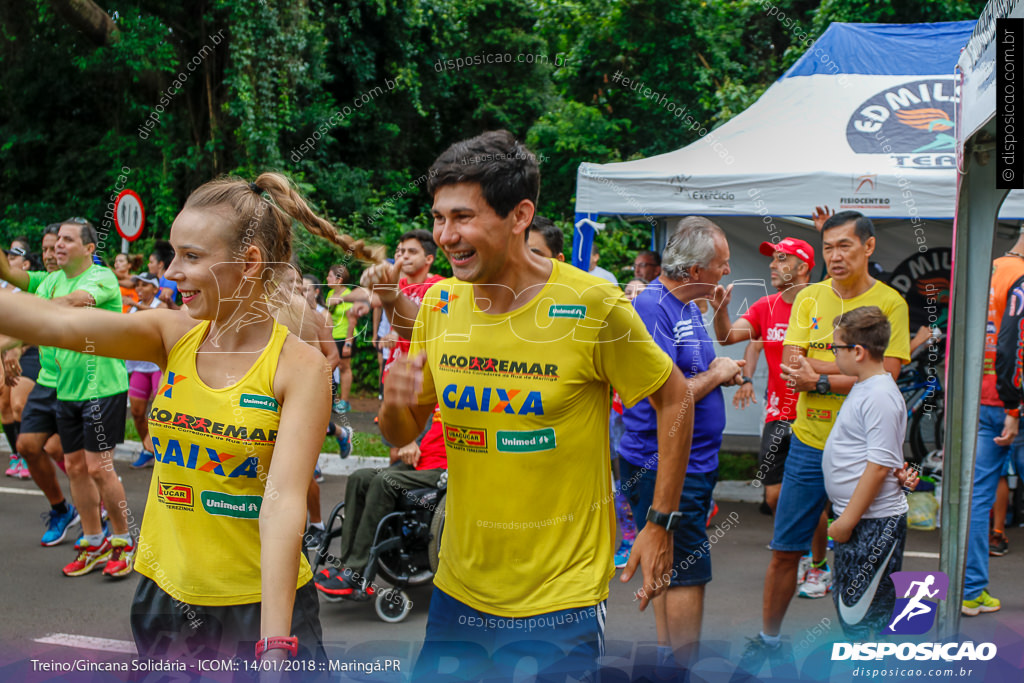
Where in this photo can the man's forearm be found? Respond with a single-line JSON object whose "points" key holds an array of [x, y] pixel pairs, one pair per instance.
{"points": [[703, 384], [675, 409], [398, 424], [402, 314]]}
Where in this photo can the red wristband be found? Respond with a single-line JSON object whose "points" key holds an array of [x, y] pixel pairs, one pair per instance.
{"points": [[291, 644], [1013, 413]]}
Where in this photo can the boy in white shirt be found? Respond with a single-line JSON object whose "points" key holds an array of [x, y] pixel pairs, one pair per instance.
{"points": [[863, 451]]}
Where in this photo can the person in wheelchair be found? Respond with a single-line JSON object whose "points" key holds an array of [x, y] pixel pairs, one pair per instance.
{"points": [[371, 494]]}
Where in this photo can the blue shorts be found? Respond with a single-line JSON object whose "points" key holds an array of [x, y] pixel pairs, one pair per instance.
{"points": [[801, 499], [691, 552], [465, 644]]}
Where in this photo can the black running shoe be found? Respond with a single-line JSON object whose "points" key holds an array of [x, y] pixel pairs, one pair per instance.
{"points": [[335, 582]]}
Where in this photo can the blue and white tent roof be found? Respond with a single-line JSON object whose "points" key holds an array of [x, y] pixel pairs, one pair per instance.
{"points": [[864, 120]]}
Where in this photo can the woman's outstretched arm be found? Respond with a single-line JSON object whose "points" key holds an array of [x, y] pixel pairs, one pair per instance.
{"points": [[88, 330]]}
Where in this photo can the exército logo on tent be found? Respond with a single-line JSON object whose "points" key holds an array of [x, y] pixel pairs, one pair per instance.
{"points": [[917, 601], [912, 123]]}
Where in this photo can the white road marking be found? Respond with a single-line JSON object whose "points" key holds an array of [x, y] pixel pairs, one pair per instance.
{"points": [[24, 492], [927, 556], [89, 643]]}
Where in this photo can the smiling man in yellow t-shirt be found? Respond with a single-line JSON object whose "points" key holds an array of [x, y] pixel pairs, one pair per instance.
{"points": [[520, 352]]}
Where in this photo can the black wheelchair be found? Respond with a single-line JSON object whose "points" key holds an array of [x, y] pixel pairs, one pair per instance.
{"points": [[404, 550]]}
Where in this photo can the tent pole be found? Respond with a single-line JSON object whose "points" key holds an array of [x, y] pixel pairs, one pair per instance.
{"points": [[977, 210]]}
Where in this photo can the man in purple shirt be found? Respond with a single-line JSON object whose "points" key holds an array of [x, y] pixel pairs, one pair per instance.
{"points": [[695, 259]]}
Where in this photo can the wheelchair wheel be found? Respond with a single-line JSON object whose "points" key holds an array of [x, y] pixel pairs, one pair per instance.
{"points": [[436, 528], [392, 605], [408, 564]]}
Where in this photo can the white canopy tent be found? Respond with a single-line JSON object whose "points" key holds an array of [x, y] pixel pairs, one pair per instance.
{"points": [[863, 121]]}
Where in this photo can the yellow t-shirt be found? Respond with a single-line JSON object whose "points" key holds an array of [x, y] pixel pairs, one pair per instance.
{"points": [[810, 328], [200, 539], [524, 400]]}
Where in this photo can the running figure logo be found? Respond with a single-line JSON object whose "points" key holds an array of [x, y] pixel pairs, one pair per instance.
{"points": [[915, 611]]}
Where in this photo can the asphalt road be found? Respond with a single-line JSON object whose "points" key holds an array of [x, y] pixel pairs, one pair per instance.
{"points": [[39, 603]]}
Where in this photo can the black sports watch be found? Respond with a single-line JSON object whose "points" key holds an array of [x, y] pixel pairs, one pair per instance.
{"points": [[670, 521], [823, 386], [746, 380]]}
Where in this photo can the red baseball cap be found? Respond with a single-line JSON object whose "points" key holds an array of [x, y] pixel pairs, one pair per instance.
{"points": [[791, 245]]}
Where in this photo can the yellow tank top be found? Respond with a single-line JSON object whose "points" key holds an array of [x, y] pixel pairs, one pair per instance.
{"points": [[200, 539]]}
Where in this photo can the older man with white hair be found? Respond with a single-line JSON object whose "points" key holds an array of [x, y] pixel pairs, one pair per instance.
{"points": [[695, 259]]}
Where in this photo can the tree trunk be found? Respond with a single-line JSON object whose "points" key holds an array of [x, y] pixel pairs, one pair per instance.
{"points": [[89, 18]]}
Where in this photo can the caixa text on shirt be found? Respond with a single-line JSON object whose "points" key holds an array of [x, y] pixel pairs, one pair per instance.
{"points": [[205, 459], [203, 425]]}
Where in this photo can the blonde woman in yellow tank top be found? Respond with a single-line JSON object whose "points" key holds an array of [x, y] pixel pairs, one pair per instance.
{"points": [[237, 426]]}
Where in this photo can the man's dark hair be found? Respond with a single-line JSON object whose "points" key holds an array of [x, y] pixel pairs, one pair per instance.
{"points": [[425, 239], [164, 253], [653, 254], [866, 326], [506, 170], [553, 237], [87, 230], [862, 225], [52, 229]]}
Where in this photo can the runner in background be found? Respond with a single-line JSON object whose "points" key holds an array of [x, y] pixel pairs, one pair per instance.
{"points": [[346, 305], [546, 239], [159, 262], [792, 261], [124, 265], [18, 256], [144, 378]]}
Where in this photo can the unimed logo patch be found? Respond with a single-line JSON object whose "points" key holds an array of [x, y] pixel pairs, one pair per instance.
{"points": [[258, 401], [227, 505], [526, 442], [566, 311]]}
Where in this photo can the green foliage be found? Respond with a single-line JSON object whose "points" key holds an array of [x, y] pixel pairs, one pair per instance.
{"points": [[355, 99]]}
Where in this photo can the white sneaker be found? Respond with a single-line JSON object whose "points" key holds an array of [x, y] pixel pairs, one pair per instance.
{"points": [[806, 562], [817, 584]]}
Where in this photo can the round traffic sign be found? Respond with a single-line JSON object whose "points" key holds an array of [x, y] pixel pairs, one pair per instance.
{"points": [[129, 215]]}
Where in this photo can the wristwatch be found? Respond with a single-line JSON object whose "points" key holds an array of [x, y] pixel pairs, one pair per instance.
{"points": [[745, 380], [670, 521], [823, 386], [291, 644]]}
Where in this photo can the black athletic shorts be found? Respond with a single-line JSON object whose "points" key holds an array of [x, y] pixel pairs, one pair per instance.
{"points": [[771, 460], [40, 413], [30, 363], [165, 628], [96, 425]]}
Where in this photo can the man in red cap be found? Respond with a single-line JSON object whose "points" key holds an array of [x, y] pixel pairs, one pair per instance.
{"points": [[764, 324]]}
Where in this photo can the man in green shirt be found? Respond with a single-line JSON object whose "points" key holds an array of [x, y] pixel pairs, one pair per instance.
{"points": [[91, 401]]}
